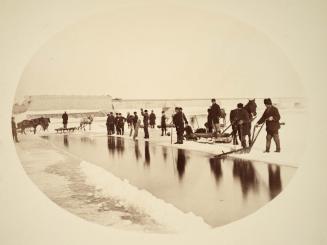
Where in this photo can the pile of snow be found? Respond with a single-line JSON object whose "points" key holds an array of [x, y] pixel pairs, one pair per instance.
{"points": [[141, 200]]}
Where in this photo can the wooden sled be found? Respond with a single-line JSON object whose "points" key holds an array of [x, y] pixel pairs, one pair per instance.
{"points": [[62, 130]]}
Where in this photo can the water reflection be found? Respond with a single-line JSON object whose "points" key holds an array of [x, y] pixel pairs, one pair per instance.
{"points": [[164, 153], [275, 182], [120, 145], [147, 153], [245, 172], [215, 167], [111, 144], [244, 186], [137, 150], [181, 163], [88, 140], [66, 142]]}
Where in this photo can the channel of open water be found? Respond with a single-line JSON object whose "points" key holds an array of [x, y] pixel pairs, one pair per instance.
{"points": [[218, 190]]}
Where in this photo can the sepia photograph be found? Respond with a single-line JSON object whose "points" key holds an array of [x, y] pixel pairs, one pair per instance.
{"points": [[161, 119]]}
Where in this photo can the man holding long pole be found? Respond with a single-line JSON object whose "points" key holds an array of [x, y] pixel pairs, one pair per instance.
{"points": [[271, 117]]}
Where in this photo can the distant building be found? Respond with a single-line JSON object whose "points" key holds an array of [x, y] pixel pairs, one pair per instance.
{"points": [[64, 102]]}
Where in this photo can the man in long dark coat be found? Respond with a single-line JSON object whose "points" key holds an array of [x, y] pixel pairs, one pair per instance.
{"points": [[145, 123], [163, 124], [209, 121], [271, 117], [65, 119], [152, 119], [121, 123], [14, 129], [116, 124], [110, 124], [178, 120], [135, 118]]}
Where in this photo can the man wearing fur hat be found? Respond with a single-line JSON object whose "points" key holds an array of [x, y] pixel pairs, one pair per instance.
{"points": [[271, 117]]}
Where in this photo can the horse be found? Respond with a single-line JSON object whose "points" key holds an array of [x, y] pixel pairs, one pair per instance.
{"points": [[223, 115], [251, 108], [84, 121], [33, 123]]}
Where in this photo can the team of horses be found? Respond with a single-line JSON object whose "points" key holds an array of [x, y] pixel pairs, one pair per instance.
{"points": [[44, 123], [34, 123]]}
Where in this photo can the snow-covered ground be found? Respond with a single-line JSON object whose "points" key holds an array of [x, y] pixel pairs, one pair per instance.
{"points": [[97, 195]]}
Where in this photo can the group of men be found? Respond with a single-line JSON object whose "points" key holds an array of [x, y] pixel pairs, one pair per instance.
{"points": [[241, 119], [116, 124]]}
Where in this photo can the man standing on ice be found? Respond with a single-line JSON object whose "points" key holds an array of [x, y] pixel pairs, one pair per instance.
{"points": [[215, 114], [233, 117], [163, 124], [178, 120], [14, 129], [243, 120], [271, 117], [65, 119], [110, 124], [145, 123], [152, 119]]}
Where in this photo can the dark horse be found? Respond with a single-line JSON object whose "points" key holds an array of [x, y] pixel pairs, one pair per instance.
{"points": [[33, 123], [251, 108]]}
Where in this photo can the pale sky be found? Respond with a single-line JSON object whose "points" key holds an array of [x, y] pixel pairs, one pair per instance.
{"points": [[160, 52]]}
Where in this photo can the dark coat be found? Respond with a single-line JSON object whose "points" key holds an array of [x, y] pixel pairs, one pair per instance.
{"points": [[135, 118], [110, 120], [271, 126], [129, 119], [145, 119], [244, 121], [188, 130], [237, 115], [116, 120], [215, 112], [163, 120], [152, 118], [179, 119], [64, 118], [13, 126], [240, 118], [233, 116], [121, 121]]}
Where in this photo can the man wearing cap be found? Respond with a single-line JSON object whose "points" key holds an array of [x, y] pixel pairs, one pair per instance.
{"points": [[271, 117]]}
